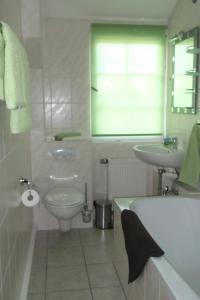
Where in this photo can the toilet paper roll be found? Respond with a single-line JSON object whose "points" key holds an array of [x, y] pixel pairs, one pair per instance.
{"points": [[30, 197]]}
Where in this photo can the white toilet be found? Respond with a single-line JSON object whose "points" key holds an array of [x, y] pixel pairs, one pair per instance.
{"points": [[64, 203]]}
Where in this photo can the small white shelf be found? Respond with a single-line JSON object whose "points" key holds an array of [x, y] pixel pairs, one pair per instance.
{"points": [[193, 50]]}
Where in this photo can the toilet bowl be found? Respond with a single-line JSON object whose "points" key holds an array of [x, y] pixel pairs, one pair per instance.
{"points": [[64, 204]]}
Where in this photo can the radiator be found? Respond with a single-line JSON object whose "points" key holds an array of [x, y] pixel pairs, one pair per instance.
{"points": [[126, 177]]}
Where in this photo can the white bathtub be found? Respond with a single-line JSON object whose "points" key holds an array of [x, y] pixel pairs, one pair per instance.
{"points": [[174, 223]]}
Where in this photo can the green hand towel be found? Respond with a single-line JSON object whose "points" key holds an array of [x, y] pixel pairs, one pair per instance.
{"points": [[2, 45], [190, 170], [16, 81]]}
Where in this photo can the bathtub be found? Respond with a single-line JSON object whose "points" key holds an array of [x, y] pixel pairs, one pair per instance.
{"points": [[174, 223]]}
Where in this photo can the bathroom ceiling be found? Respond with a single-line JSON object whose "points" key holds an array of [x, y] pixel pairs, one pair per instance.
{"points": [[140, 11]]}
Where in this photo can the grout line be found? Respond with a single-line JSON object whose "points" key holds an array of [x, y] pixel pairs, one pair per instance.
{"points": [[120, 282], [46, 260], [64, 291], [82, 247]]}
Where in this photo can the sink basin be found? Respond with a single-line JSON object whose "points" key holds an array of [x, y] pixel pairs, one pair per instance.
{"points": [[159, 155]]}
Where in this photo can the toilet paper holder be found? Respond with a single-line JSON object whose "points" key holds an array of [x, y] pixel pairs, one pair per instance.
{"points": [[24, 181]]}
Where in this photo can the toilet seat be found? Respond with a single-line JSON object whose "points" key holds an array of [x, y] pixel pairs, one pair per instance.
{"points": [[64, 197]]}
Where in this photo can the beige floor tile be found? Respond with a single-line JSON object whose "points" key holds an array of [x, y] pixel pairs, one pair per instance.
{"points": [[72, 256], [41, 239], [37, 280], [102, 275], [39, 258], [70, 295], [36, 297], [57, 239], [109, 293], [66, 278], [94, 236], [98, 254]]}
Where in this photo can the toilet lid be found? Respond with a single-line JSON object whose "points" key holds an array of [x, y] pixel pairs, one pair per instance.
{"points": [[64, 197]]}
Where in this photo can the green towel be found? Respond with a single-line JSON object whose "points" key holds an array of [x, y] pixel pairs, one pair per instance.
{"points": [[16, 81], [190, 170], [2, 45], [62, 135]]}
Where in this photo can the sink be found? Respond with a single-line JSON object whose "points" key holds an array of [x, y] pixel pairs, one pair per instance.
{"points": [[159, 155]]}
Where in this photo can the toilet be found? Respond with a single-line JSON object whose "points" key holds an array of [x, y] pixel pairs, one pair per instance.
{"points": [[64, 203]]}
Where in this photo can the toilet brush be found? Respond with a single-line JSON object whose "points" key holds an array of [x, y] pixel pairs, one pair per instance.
{"points": [[86, 212]]}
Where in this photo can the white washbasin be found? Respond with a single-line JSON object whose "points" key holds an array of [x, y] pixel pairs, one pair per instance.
{"points": [[159, 155]]}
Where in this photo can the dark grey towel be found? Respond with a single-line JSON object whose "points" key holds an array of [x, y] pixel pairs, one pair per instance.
{"points": [[138, 242]]}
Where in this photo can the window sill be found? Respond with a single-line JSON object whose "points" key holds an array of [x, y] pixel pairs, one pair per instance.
{"points": [[128, 139]]}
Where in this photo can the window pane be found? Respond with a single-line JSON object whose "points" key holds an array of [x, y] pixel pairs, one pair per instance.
{"points": [[143, 59], [111, 58]]}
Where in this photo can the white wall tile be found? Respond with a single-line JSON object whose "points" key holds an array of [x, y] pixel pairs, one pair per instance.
{"points": [[60, 89], [48, 116], [33, 48], [61, 115], [30, 18], [36, 80], [37, 112], [4, 246]]}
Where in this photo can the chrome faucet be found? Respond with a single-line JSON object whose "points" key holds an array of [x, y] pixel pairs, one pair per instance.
{"points": [[171, 142], [174, 143]]}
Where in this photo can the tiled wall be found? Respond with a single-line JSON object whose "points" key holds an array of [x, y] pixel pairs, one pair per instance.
{"points": [[61, 102], [185, 17], [66, 75], [15, 219]]}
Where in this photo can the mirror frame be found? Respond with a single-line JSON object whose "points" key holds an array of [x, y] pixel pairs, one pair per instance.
{"points": [[180, 38]]}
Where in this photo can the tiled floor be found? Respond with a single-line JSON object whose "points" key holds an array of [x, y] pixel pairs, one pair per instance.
{"points": [[74, 266]]}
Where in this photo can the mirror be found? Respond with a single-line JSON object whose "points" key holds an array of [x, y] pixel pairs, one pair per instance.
{"points": [[185, 72]]}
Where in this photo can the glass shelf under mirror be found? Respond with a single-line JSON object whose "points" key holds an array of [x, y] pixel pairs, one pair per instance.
{"points": [[183, 110], [190, 91], [193, 50], [192, 73]]}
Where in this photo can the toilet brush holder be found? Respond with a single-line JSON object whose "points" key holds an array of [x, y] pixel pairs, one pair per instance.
{"points": [[86, 212], [87, 215]]}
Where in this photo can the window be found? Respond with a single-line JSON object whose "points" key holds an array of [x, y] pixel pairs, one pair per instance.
{"points": [[127, 78]]}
